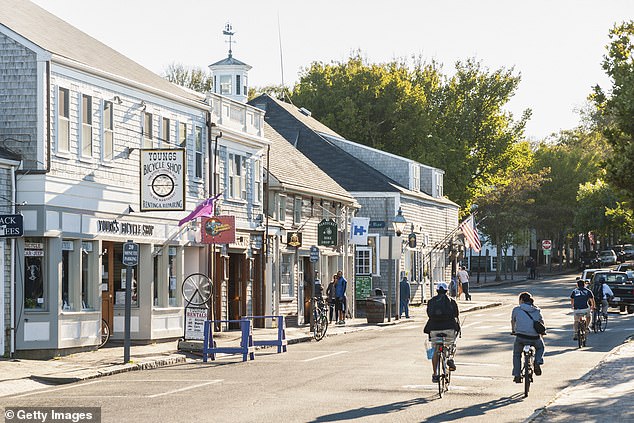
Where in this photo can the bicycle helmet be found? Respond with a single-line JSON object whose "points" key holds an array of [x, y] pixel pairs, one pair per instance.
{"points": [[442, 286]]}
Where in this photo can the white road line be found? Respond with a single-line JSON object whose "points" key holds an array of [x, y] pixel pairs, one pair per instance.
{"points": [[325, 356], [173, 391], [57, 389]]}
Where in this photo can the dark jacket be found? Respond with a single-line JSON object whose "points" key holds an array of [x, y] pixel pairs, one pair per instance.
{"points": [[406, 291], [443, 323]]}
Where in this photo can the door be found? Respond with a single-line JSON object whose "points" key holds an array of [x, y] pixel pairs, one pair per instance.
{"points": [[237, 288], [107, 282], [308, 281]]}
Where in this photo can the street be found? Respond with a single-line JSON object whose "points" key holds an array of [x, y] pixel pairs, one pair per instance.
{"points": [[372, 375]]}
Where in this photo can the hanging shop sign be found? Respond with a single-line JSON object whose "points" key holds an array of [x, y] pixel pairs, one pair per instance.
{"points": [[327, 233], [162, 179], [294, 239], [219, 230], [11, 225]]}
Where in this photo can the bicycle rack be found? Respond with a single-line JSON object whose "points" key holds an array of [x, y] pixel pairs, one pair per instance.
{"points": [[281, 342], [246, 348]]}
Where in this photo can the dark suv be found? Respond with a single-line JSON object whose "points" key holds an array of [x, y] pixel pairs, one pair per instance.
{"points": [[589, 259]]}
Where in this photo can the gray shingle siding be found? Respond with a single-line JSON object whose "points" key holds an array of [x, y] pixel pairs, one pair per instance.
{"points": [[18, 103]]}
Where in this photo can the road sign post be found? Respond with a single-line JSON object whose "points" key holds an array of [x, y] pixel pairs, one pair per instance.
{"points": [[130, 259]]}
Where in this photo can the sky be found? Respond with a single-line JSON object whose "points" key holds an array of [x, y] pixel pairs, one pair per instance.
{"points": [[557, 46]]}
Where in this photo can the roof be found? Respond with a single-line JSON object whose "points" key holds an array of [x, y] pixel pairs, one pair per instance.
{"points": [[58, 37], [230, 61], [9, 155], [349, 172], [296, 171]]}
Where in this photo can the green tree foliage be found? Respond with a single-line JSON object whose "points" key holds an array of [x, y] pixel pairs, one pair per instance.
{"points": [[195, 78], [616, 107], [504, 206], [456, 123], [595, 201]]}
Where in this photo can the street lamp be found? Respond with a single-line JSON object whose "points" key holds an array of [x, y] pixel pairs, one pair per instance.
{"points": [[398, 223]]}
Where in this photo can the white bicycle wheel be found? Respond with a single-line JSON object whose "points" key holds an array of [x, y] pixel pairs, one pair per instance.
{"points": [[197, 289]]}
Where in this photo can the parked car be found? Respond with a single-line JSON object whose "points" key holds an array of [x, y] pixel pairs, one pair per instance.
{"points": [[586, 275], [589, 259], [624, 267], [621, 286], [628, 250], [620, 252], [607, 257]]}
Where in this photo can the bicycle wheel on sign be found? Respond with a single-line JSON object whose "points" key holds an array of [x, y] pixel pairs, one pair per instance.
{"points": [[197, 289]]}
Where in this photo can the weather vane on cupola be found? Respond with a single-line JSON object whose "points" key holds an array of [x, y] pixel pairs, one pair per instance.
{"points": [[229, 31]]}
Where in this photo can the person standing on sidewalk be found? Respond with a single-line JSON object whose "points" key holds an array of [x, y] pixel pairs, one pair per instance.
{"points": [[332, 297], [463, 277], [522, 318], [340, 293], [405, 294]]}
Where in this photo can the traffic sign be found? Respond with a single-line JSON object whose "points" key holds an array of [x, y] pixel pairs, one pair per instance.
{"points": [[130, 254], [546, 244]]}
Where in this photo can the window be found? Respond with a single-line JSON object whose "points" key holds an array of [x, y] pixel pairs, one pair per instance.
{"points": [[363, 261], [237, 177], [147, 130], [439, 184], [257, 181], [165, 131], [86, 126], [198, 153], [86, 282], [244, 89], [182, 134], [237, 84], [67, 301], [297, 211], [63, 120], [225, 84], [120, 273], [157, 276], [281, 213], [286, 274], [415, 178], [171, 273], [108, 131], [34, 265]]}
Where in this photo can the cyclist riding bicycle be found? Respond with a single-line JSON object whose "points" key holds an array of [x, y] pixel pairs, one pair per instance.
{"points": [[522, 318], [443, 313], [602, 293], [582, 302]]}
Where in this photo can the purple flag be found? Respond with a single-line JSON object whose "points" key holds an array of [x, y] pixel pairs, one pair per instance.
{"points": [[206, 208]]}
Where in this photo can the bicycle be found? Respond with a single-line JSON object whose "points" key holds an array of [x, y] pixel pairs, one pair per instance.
{"points": [[104, 332], [444, 350], [320, 319], [582, 330], [527, 367], [600, 320]]}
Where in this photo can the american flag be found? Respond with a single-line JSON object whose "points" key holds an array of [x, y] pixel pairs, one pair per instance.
{"points": [[471, 234]]}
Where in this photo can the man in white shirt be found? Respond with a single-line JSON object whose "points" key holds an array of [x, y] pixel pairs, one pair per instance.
{"points": [[463, 277]]}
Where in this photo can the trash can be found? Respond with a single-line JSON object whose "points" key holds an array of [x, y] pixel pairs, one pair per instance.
{"points": [[375, 307]]}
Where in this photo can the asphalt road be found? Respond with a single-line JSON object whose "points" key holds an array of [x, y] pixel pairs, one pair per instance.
{"points": [[374, 375]]}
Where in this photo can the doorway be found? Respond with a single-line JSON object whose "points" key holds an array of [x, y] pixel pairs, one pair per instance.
{"points": [[237, 292], [307, 273], [113, 281]]}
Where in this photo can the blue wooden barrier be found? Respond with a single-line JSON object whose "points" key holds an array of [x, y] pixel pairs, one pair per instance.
{"points": [[246, 348], [281, 342]]}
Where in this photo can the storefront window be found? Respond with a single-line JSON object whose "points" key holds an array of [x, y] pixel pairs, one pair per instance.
{"points": [[34, 256], [172, 276], [65, 280], [87, 284], [286, 270], [120, 273], [157, 276]]}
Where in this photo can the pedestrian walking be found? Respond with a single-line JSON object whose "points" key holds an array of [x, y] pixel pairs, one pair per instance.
{"points": [[405, 294], [340, 293], [531, 265], [463, 277], [331, 297]]}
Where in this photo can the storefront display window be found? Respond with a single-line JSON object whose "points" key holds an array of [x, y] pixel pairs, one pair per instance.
{"points": [[34, 260], [120, 273], [87, 284], [171, 273]]}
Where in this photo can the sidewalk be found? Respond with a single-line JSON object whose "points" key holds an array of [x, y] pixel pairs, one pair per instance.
{"points": [[604, 394], [19, 376]]}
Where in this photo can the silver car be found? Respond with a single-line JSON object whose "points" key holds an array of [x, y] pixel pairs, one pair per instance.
{"points": [[607, 257]]}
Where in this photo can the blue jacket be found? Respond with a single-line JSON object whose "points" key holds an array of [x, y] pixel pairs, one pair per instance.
{"points": [[405, 290], [522, 324], [340, 288]]}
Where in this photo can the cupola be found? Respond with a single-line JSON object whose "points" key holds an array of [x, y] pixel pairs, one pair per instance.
{"points": [[230, 76]]}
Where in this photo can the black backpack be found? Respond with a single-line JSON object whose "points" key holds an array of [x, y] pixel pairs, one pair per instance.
{"points": [[440, 308]]}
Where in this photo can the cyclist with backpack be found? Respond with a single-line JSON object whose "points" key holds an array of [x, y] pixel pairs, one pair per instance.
{"points": [[523, 318], [443, 313], [602, 293]]}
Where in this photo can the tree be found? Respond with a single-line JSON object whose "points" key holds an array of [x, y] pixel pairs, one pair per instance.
{"points": [[454, 123], [599, 212], [195, 78], [504, 205], [616, 107]]}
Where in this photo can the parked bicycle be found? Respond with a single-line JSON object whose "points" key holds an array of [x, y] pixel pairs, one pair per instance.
{"points": [[320, 318], [600, 320], [527, 367], [105, 333], [445, 351]]}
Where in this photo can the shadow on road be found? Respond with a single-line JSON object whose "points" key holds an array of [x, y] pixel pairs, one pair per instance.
{"points": [[379, 410], [475, 410]]}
